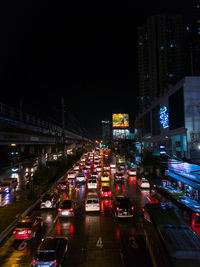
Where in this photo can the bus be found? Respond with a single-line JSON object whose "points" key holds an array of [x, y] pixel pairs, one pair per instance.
{"points": [[170, 241], [190, 212]]}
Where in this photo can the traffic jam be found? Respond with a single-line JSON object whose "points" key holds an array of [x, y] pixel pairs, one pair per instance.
{"points": [[98, 211]]}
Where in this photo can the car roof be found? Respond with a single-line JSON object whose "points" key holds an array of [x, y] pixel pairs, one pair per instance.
{"points": [[50, 244], [26, 219], [105, 187]]}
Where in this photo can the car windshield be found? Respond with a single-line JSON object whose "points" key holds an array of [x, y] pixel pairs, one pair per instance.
{"points": [[123, 203], [92, 181], [46, 256], [92, 201], [105, 189], [24, 224], [144, 180], [63, 183], [66, 205], [47, 197]]}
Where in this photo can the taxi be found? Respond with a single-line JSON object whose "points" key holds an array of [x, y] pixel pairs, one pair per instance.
{"points": [[105, 178]]}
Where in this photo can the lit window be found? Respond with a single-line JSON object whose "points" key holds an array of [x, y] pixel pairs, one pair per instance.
{"points": [[187, 28], [171, 45], [162, 47], [171, 75]]}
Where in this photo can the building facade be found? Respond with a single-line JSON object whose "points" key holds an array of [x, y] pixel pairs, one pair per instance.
{"points": [[168, 50], [173, 121], [106, 132]]}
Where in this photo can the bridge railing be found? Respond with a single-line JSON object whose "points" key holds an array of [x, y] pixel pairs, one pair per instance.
{"points": [[27, 121], [8, 112]]}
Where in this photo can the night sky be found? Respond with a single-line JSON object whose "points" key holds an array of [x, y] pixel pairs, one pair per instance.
{"points": [[83, 51]]}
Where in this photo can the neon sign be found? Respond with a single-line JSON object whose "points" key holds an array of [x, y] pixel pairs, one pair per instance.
{"points": [[164, 117]]}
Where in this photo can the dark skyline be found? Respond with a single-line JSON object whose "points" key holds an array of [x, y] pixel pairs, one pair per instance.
{"points": [[83, 52]]}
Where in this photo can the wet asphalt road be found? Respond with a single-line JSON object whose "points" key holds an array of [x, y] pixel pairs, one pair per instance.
{"points": [[95, 239]]}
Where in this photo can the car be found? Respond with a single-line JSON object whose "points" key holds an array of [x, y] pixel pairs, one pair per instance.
{"points": [[143, 183], [122, 166], [88, 165], [106, 168], [119, 177], [105, 178], [105, 191], [64, 185], [94, 174], [92, 183], [71, 175], [85, 170], [49, 200], [105, 184], [51, 252], [92, 202], [123, 207], [81, 178], [98, 168], [113, 166], [132, 172], [15, 169], [7, 184], [76, 168], [27, 227], [66, 208]]}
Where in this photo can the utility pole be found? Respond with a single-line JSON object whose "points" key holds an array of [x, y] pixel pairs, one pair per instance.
{"points": [[63, 126]]}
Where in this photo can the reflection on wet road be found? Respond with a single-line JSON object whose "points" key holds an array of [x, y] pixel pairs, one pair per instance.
{"points": [[95, 238]]}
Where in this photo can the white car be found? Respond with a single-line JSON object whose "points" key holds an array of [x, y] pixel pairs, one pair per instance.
{"points": [[92, 202], [76, 168], [81, 178], [98, 169], [113, 166], [71, 175], [92, 183], [131, 172], [143, 183]]}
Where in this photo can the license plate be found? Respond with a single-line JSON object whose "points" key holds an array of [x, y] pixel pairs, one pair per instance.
{"points": [[65, 212], [43, 265]]}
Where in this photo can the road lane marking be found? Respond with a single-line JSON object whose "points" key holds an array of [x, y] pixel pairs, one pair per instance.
{"points": [[99, 243], [133, 242]]}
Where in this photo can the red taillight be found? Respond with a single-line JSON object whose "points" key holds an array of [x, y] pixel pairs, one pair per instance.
{"points": [[117, 209], [143, 209], [71, 209], [55, 261], [132, 208], [59, 209], [52, 199], [40, 200], [29, 231], [33, 262], [14, 232]]}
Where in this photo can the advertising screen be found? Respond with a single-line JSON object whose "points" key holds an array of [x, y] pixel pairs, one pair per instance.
{"points": [[120, 120], [121, 134]]}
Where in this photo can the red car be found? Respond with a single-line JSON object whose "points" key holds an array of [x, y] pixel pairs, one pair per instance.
{"points": [[28, 227], [64, 185], [105, 191]]}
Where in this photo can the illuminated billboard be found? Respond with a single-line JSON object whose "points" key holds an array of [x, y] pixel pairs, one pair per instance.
{"points": [[121, 134], [120, 120]]}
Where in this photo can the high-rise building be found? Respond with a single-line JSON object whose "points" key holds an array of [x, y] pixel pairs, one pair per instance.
{"points": [[106, 132], [168, 50], [160, 56]]}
